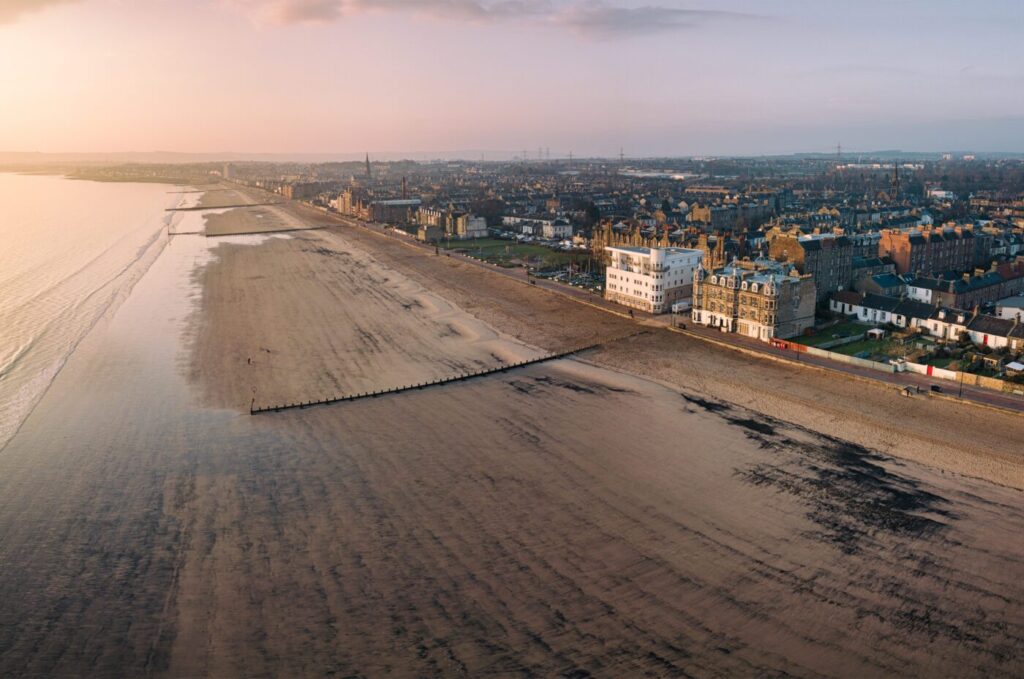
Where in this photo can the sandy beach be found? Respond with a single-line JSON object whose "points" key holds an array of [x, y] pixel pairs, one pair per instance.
{"points": [[655, 507], [954, 437], [235, 211]]}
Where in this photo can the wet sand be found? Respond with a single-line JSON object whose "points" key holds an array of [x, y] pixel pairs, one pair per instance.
{"points": [[348, 326], [262, 217], [575, 518], [227, 196]]}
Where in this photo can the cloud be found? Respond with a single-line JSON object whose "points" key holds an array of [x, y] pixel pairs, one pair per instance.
{"points": [[12, 10], [323, 11], [591, 17], [291, 11], [470, 10], [604, 19]]}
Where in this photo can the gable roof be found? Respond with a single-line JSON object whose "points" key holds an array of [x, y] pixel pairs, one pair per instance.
{"points": [[991, 325]]}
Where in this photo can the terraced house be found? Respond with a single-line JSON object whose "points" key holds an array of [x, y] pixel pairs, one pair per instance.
{"points": [[825, 256], [930, 251], [1001, 280]]}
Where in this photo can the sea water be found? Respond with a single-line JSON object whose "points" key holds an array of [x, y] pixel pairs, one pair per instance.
{"points": [[70, 252]]}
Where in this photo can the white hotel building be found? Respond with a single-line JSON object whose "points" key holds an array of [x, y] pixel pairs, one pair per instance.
{"points": [[650, 279]]}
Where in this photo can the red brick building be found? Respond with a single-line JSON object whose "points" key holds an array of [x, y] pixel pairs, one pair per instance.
{"points": [[929, 251]]}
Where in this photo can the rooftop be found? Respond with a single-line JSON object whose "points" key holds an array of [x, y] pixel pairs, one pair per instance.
{"points": [[1012, 302], [639, 250]]}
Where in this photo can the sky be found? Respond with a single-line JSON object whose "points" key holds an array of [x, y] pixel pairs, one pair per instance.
{"points": [[496, 77]]}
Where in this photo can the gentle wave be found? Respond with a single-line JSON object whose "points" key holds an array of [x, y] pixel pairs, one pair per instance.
{"points": [[70, 272]]}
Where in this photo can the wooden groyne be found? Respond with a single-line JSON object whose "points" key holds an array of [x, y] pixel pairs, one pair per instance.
{"points": [[196, 208], [255, 410], [267, 232]]}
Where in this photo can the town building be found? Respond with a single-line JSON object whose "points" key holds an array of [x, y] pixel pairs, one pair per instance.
{"points": [[1011, 307], [429, 234], [881, 284], [825, 256], [558, 229], [395, 211], [966, 291], [880, 309], [620, 234], [865, 244], [649, 279], [453, 224], [929, 251], [302, 190], [756, 299], [981, 329], [942, 323], [528, 225]]}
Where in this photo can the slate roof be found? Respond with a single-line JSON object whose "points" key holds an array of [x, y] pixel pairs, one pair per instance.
{"points": [[950, 315], [887, 280], [895, 305], [847, 297], [863, 262], [991, 325], [958, 285]]}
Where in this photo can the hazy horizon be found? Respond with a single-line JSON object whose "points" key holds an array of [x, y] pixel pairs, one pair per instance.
{"points": [[447, 77], [32, 158]]}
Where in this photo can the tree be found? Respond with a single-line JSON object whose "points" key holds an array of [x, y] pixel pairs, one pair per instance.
{"points": [[491, 209], [591, 214], [552, 261]]}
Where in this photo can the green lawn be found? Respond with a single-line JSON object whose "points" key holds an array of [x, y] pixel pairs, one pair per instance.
{"points": [[883, 348], [834, 332], [508, 251]]}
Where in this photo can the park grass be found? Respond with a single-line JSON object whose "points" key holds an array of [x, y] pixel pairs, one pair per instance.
{"points": [[833, 332], [876, 347], [506, 251]]}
